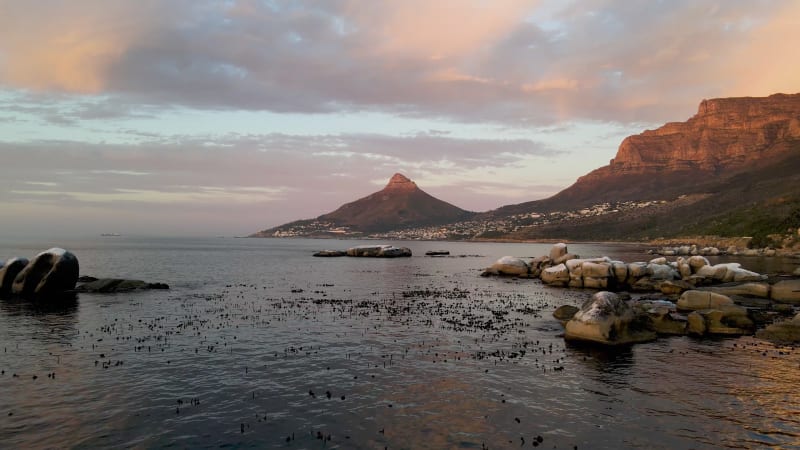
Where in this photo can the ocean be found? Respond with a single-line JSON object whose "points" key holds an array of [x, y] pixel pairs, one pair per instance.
{"points": [[260, 345]]}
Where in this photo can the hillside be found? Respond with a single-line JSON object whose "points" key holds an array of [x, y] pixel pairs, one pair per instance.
{"points": [[727, 136], [401, 204], [733, 169]]}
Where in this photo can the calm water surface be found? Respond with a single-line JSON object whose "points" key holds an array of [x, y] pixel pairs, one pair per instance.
{"points": [[258, 344]]}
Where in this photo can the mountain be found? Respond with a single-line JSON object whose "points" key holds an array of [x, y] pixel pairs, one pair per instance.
{"points": [[734, 167], [401, 204], [726, 136]]}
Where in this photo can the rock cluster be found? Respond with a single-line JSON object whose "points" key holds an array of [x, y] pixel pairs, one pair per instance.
{"points": [[688, 250], [49, 274], [561, 268], [691, 296]]}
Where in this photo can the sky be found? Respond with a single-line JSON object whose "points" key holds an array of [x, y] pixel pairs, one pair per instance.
{"points": [[223, 118]]}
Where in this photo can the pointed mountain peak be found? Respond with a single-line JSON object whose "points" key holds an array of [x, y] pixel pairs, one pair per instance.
{"points": [[401, 182]]}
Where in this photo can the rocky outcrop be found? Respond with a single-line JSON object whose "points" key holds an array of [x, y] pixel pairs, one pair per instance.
{"points": [[379, 251], [50, 273], [609, 320], [725, 133]]}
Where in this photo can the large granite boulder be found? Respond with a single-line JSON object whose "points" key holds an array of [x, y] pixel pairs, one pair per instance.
{"points": [[8, 272], [509, 266], [556, 275], [722, 320], [608, 319], [786, 291], [558, 251], [748, 289], [51, 272], [696, 300], [664, 317], [378, 251]]}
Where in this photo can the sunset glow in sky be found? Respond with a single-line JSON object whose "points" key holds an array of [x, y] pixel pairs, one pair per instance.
{"points": [[227, 117]]}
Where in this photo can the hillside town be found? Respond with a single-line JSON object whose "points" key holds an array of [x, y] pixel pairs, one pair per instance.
{"points": [[483, 227]]}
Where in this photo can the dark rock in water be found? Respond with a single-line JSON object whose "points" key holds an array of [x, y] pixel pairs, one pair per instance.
{"points": [[86, 279], [330, 253], [379, 251], [51, 272], [9, 272], [437, 253], [109, 285], [565, 312], [786, 332]]}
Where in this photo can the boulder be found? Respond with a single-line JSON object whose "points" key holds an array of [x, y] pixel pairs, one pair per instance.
{"points": [[437, 253], [607, 319], [620, 271], [742, 275], [664, 317], [565, 258], [674, 287], [558, 250], [786, 291], [684, 269], [786, 332], [110, 285], [696, 300], [727, 319], [510, 266], [595, 283], [659, 261], [695, 324], [595, 270], [51, 272], [637, 270], [796, 272], [565, 312], [8, 272], [662, 272], [557, 275], [752, 289]]}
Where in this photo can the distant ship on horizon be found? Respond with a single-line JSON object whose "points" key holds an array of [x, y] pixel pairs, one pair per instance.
{"points": [[110, 234]]}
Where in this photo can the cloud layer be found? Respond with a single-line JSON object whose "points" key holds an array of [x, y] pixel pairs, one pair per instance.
{"points": [[513, 60]]}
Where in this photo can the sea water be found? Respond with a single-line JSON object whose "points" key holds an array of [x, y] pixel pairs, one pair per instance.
{"points": [[259, 344]]}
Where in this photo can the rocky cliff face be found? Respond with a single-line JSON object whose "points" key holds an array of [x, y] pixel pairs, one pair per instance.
{"points": [[725, 133]]}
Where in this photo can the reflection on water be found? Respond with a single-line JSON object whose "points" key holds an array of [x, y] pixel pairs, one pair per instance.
{"points": [[258, 343]]}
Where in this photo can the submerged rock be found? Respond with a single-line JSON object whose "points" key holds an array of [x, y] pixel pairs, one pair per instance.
{"points": [[110, 285], [51, 272], [785, 332], [565, 312], [607, 319], [330, 253]]}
